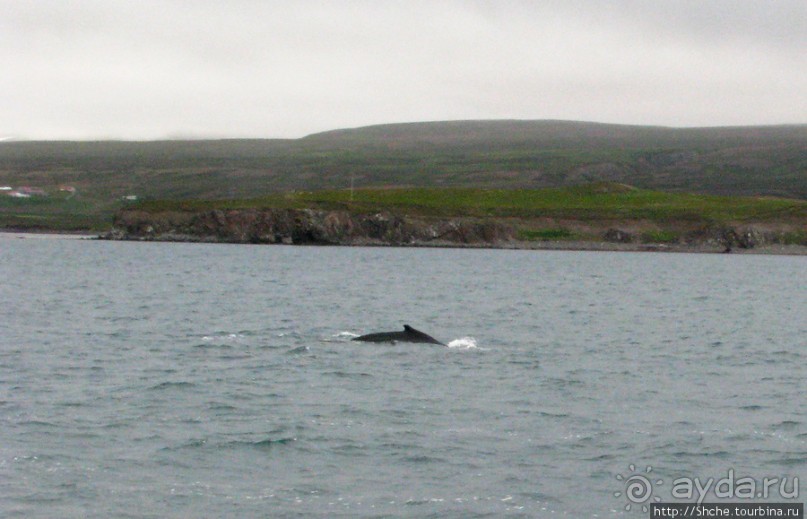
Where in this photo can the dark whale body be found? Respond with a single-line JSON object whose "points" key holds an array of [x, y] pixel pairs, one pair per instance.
{"points": [[408, 335]]}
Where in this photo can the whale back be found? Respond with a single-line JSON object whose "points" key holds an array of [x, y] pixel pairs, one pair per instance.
{"points": [[418, 336], [408, 334]]}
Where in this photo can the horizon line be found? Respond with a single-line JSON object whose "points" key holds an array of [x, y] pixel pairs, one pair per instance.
{"points": [[191, 137]]}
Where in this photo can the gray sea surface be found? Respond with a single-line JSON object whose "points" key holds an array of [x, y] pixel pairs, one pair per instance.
{"points": [[191, 380]]}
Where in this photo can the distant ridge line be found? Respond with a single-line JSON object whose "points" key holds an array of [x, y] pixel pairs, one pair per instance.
{"points": [[450, 124], [769, 160]]}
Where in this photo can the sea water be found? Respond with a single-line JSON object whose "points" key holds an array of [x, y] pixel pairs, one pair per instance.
{"points": [[190, 380]]}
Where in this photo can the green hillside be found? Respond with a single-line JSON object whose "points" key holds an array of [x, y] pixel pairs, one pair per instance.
{"points": [[737, 161], [600, 201], [594, 213]]}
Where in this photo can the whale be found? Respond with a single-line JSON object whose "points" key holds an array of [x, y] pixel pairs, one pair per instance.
{"points": [[408, 334]]}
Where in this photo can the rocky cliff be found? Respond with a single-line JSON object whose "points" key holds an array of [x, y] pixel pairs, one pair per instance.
{"points": [[321, 227], [308, 226]]}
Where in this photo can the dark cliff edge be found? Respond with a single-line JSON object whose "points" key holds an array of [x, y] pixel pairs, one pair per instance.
{"points": [[306, 227], [387, 228]]}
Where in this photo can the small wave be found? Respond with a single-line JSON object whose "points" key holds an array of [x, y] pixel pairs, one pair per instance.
{"points": [[191, 444], [601, 457], [268, 442], [752, 407], [217, 406], [716, 454], [341, 337], [791, 462], [207, 345], [235, 356], [38, 423], [298, 350], [204, 443], [416, 502], [547, 414], [224, 336], [287, 335], [557, 382], [170, 385], [348, 374], [464, 343], [422, 458], [350, 449]]}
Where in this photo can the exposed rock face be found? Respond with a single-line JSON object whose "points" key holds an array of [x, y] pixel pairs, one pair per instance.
{"points": [[307, 226], [618, 236], [319, 227], [743, 237], [750, 237]]}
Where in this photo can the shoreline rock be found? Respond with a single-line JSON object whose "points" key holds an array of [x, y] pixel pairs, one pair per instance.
{"points": [[387, 228]]}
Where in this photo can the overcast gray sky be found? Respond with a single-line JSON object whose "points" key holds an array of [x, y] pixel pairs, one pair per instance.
{"points": [[80, 69]]}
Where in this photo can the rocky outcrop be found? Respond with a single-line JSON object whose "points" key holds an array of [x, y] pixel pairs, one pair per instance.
{"points": [[307, 226], [321, 227], [618, 236], [740, 236]]}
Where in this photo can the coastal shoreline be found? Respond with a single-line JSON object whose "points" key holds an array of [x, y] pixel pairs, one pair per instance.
{"points": [[40, 234], [571, 246], [289, 226], [548, 245]]}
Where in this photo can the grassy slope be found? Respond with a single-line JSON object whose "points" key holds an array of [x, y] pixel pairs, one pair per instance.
{"points": [[56, 213], [472, 154], [591, 202]]}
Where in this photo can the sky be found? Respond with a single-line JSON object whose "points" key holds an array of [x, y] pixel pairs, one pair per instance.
{"points": [[145, 69]]}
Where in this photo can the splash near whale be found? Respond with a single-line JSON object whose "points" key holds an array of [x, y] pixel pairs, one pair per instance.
{"points": [[408, 334]]}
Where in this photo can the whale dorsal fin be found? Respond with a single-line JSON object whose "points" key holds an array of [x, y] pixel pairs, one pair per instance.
{"points": [[408, 328]]}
